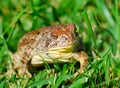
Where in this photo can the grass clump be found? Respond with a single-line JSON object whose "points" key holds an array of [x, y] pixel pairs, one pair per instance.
{"points": [[97, 23]]}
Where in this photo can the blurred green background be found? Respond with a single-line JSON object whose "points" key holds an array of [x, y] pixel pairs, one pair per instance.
{"points": [[97, 22]]}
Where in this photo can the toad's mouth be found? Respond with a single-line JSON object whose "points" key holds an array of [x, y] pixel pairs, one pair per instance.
{"points": [[65, 49]]}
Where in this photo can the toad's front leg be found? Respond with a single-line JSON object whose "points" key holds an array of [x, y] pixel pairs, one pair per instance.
{"points": [[19, 65], [82, 57]]}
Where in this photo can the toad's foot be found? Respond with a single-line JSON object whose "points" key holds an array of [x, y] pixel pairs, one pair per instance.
{"points": [[82, 57], [23, 71]]}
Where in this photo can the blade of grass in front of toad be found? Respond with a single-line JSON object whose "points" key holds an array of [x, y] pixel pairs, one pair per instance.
{"points": [[41, 79], [44, 62], [62, 77], [4, 84], [105, 70], [78, 83]]}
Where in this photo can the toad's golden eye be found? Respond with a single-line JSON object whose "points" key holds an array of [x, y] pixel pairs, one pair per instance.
{"points": [[59, 43]]}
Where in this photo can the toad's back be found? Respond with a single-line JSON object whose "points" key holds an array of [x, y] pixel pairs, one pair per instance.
{"points": [[47, 37]]}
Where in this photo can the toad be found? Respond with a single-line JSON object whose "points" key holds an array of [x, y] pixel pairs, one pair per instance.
{"points": [[57, 43]]}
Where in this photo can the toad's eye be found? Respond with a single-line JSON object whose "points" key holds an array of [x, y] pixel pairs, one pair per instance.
{"points": [[75, 34]]}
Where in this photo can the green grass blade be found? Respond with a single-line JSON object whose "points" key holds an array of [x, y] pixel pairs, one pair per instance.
{"points": [[12, 25], [78, 83], [107, 70], [104, 10], [42, 82], [61, 79], [1, 26], [90, 32], [117, 20]]}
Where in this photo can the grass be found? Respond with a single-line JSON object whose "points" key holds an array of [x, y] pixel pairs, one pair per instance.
{"points": [[97, 23]]}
